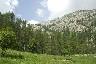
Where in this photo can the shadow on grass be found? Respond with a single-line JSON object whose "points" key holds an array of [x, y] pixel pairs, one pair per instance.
{"points": [[12, 56]]}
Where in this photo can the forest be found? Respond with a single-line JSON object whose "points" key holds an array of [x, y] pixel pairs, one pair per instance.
{"points": [[17, 34]]}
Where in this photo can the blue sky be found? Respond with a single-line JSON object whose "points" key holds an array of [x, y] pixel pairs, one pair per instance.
{"points": [[29, 9], [36, 11]]}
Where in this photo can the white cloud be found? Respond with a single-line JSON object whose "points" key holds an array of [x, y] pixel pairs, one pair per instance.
{"points": [[58, 8], [83, 4], [33, 22], [40, 12], [8, 5], [44, 3], [59, 14]]}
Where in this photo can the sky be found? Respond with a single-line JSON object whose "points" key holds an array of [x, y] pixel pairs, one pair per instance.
{"points": [[36, 11]]}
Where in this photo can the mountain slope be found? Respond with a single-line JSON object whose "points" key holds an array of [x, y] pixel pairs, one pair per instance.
{"points": [[76, 21]]}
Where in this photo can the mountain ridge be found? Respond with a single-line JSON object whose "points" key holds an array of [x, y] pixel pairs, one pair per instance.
{"points": [[75, 21]]}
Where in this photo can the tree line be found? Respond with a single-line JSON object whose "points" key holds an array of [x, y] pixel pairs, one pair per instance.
{"points": [[16, 34]]}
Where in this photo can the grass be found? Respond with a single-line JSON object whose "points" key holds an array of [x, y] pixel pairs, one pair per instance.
{"points": [[17, 57]]}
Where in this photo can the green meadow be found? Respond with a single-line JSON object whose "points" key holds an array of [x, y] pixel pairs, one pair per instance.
{"points": [[17, 57]]}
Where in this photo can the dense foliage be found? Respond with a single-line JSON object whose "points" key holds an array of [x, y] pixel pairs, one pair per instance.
{"points": [[16, 34]]}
